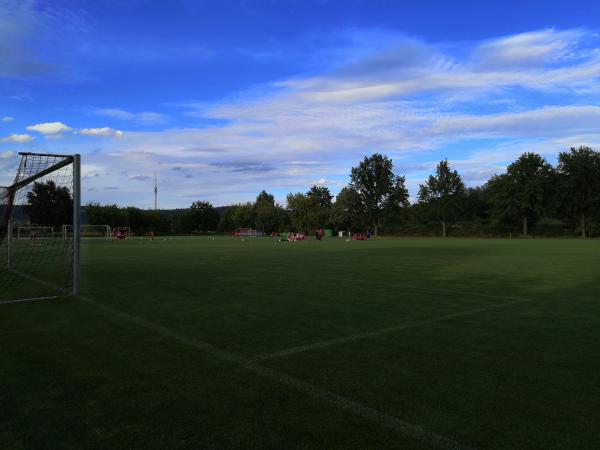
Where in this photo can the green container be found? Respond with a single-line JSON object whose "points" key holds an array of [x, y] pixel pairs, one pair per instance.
{"points": [[328, 233], [284, 234]]}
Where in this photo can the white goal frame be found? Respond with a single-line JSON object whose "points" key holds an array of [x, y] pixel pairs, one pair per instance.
{"points": [[249, 232], [19, 184], [107, 233], [30, 229]]}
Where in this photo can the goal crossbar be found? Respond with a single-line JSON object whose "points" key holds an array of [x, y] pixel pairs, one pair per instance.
{"points": [[33, 229], [20, 184], [34, 169], [104, 231]]}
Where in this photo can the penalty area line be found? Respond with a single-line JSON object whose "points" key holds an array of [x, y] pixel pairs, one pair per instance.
{"points": [[341, 402], [380, 331], [27, 300]]}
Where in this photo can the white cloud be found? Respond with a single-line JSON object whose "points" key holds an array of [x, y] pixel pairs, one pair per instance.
{"points": [[104, 131], [7, 119], [18, 138], [527, 50], [49, 128], [418, 103], [543, 60], [6, 154], [143, 118], [543, 122], [55, 137]]}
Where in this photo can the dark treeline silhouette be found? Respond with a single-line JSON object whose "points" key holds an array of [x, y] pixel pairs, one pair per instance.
{"points": [[532, 197]]}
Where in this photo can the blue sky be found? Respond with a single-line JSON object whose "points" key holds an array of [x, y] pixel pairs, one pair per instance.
{"points": [[226, 98]]}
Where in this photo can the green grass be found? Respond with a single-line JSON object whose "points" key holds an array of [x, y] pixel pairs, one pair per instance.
{"points": [[391, 343]]}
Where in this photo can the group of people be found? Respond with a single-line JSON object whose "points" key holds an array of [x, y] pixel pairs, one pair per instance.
{"points": [[320, 234], [291, 237], [122, 233], [362, 236]]}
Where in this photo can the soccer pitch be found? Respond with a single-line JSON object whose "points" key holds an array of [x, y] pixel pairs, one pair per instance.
{"points": [[388, 343]]}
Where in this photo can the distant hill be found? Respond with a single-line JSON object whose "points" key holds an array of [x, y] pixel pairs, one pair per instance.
{"points": [[171, 212]]}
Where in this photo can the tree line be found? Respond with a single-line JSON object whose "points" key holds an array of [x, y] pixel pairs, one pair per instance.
{"points": [[532, 194]]}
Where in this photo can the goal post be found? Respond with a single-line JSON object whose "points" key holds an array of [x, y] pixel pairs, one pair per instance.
{"points": [[35, 259], [88, 231], [35, 232], [248, 232]]}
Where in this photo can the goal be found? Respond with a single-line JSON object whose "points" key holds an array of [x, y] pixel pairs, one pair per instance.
{"points": [[35, 261], [88, 231], [248, 232], [35, 232]]}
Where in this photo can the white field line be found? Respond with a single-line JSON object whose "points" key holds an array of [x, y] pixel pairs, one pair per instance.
{"points": [[358, 409], [438, 290], [27, 300], [42, 282], [381, 331], [35, 280], [406, 286]]}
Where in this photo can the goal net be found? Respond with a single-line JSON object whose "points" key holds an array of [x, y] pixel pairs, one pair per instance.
{"points": [[35, 232], [88, 231], [35, 261], [248, 232]]}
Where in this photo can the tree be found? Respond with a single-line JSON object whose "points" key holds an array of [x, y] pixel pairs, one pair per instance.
{"points": [[265, 212], [524, 190], [299, 208], [443, 193], [397, 204], [241, 215], [375, 182], [49, 205], [204, 216], [579, 172], [158, 221], [113, 215], [137, 219], [347, 209], [320, 206], [475, 204]]}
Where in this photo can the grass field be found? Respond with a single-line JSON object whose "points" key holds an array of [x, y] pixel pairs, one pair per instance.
{"points": [[391, 343]]}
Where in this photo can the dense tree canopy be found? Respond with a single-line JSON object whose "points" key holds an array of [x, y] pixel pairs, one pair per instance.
{"points": [[266, 212], [579, 172], [299, 207], [524, 190], [443, 193], [531, 193], [320, 206], [203, 217], [347, 211], [49, 205], [377, 186]]}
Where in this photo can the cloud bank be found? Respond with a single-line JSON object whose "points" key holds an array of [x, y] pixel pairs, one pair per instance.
{"points": [[104, 131], [143, 118], [478, 104], [17, 138], [49, 128]]}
